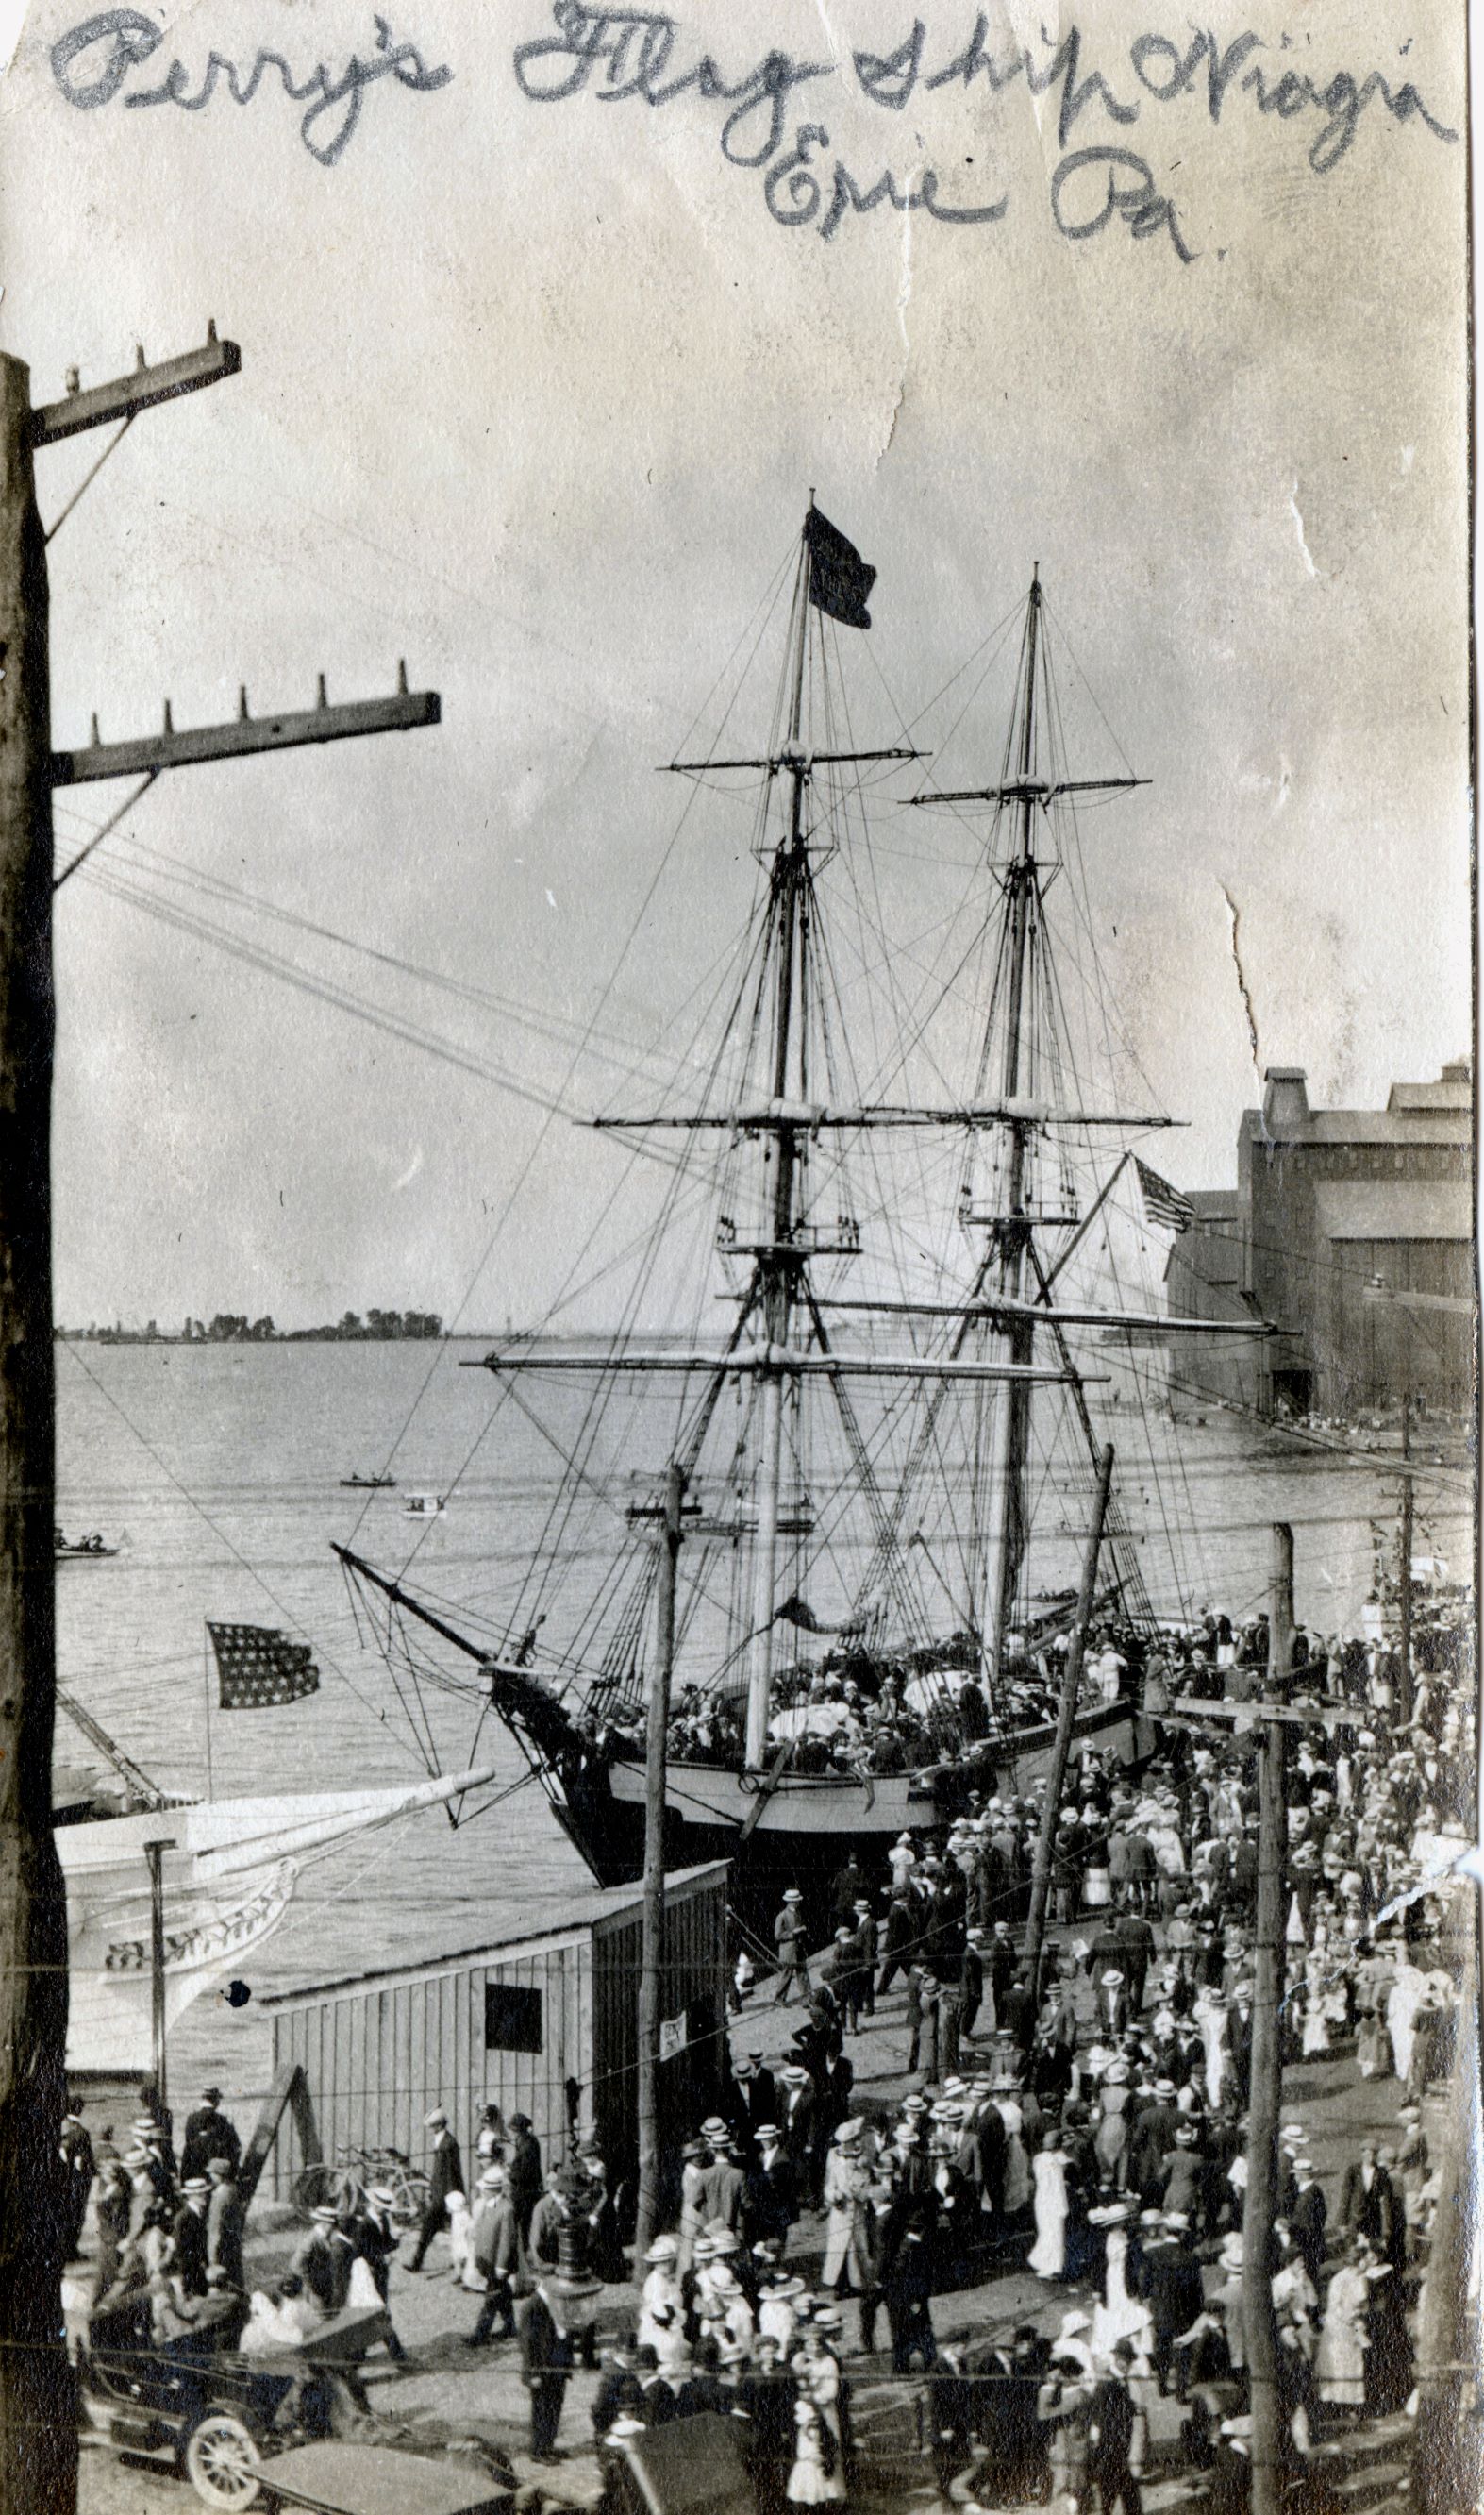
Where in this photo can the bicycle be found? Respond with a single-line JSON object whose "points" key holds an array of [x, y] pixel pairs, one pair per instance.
{"points": [[344, 2185]]}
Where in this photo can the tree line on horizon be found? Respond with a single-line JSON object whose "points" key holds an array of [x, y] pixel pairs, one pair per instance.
{"points": [[235, 1327]]}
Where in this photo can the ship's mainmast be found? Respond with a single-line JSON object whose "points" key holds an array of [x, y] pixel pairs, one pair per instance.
{"points": [[1008, 1270]]}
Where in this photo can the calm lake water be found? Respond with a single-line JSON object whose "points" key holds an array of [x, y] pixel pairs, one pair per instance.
{"points": [[218, 1468]]}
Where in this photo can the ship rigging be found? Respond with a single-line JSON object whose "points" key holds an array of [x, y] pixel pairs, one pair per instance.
{"points": [[837, 1446]]}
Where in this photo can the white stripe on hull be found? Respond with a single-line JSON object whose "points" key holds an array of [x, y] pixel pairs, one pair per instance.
{"points": [[828, 1803]]}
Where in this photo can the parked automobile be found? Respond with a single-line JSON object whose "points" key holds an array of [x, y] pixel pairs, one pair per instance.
{"points": [[217, 2415]]}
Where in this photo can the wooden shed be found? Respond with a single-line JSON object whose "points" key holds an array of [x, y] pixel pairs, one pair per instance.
{"points": [[520, 2021]]}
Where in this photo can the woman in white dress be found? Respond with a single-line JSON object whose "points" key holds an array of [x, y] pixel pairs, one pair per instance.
{"points": [[817, 2370], [661, 2290], [1048, 2255], [1120, 2316], [1406, 1998], [810, 2482], [1339, 2363], [1017, 2173], [1316, 2030]]}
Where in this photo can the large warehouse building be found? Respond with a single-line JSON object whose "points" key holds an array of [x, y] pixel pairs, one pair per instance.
{"points": [[1333, 1211]]}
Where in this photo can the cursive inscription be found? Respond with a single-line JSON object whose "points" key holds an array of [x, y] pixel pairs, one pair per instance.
{"points": [[92, 61], [624, 54]]}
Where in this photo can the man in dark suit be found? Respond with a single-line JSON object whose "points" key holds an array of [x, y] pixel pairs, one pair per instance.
{"points": [[224, 2222], [723, 2187], [1111, 2013], [756, 2094], [322, 2266], [1308, 2218], [1136, 1953], [208, 2134], [1176, 2294], [971, 1978], [445, 2174], [525, 2179], [1017, 2013], [770, 2201], [190, 2231], [76, 2150], [765, 2399], [1117, 2438], [548, 2355], [1368, 2202]]}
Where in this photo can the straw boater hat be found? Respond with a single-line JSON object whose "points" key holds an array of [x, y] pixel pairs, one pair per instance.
{"points": [[437, 2119], [766, 2131], [198, 2183], [663, 2249], [849, 2131], [325, 2215], [722, 2242], [1114, 1975], [791, 1895], [491, 2180]]}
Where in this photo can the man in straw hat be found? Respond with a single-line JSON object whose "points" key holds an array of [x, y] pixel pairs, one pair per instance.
{"points": [[496, 2247], [445, 2174], [792, 1952]]}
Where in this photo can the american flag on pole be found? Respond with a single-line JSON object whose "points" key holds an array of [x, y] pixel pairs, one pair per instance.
{"points": [[257, 1666], [1162, 1204]]}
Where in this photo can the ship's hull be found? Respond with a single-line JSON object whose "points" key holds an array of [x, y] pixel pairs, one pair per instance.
{"points": [[802, 1828], [229, 1871]]}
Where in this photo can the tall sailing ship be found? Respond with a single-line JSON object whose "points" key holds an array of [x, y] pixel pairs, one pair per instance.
{"points": [[859, 1479]]}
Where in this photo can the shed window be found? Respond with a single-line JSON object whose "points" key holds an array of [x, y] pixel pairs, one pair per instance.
{"points": [[512, 2018]]}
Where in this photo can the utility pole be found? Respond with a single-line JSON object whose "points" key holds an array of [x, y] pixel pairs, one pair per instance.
{"points": [[1261, 2206], [1404, 1568], [1446, 2453], [652, 1944], [1066, 1712], [38, 2429], [155, 1853]]}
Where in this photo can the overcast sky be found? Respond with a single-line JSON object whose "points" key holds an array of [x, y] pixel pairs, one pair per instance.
{"points": [[533, 394]]}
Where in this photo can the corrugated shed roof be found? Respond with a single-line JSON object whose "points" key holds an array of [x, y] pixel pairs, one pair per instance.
{"points": [[1394, 1209], [579, 1913]]}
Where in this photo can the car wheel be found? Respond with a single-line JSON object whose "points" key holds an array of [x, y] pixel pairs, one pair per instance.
{"points": [[222, 2461]]}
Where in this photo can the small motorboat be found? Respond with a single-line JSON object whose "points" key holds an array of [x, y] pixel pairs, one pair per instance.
{"points": [[81, 1549], [423, 1506], [367, 1484]]}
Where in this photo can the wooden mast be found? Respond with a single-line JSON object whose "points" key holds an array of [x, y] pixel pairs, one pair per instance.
{"points": [[777, 1261], [1012, 1227]]}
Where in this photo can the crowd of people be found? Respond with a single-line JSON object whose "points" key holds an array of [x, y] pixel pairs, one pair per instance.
{"points": [[1076, 2125], [928, 1712]]}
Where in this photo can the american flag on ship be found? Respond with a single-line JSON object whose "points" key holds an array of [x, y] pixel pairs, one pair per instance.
{"points": [[257, 1666], [1162, 1204]]}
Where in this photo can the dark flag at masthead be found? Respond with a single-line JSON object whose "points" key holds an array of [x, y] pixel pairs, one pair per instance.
{"points": [[258, 1667], [839, 579]]}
